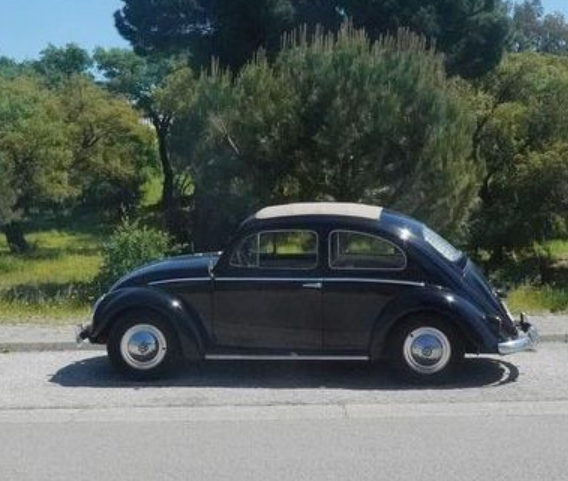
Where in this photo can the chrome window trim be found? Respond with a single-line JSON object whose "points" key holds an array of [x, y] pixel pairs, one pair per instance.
{"points": [[376, 281], [178, 280], [391, 269], [322, 279], [271, 231], [268, 279], [288, 279]]}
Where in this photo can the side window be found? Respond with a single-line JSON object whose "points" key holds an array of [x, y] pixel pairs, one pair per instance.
{"points": [[356, 250], [285, 249]]}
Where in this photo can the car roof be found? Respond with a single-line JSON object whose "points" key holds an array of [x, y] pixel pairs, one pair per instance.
{"points": [[344, 209]]}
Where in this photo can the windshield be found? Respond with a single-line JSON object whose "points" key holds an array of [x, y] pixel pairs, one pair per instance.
{"points": [[441, 245]]}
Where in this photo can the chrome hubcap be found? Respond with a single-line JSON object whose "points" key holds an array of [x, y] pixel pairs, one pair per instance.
{"points": [[143, 346], [427, 350]]}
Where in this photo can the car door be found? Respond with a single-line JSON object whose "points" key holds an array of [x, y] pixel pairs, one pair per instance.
{"points": [[269, 293], [364, 272]]}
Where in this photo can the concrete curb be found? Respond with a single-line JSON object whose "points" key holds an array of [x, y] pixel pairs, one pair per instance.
{"points": [[554, 338], [8, 347]]}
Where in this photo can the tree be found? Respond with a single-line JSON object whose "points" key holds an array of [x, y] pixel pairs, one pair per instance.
{"points": [[57, 64], [7, 196], [523, 137], [34, 154], [230, 31], [112, 151], [72, 143], [472, 33], [534, 31], [331, 119], [142, 81], [10, 69]]}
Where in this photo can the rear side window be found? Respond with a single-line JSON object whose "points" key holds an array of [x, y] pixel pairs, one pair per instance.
{"points": [[285, 249], [357, 250]]}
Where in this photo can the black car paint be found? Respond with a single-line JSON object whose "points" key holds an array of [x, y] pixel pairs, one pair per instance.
{"points": [[214, 306]]}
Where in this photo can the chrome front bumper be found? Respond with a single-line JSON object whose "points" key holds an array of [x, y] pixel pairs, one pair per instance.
{"points": [[527, 339]]}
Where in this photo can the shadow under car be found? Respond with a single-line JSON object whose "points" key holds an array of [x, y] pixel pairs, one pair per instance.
{"points": [[97, 372]]}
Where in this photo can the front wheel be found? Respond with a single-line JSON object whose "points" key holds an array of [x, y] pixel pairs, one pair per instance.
{"points": [[426, 350], [142, 346]]}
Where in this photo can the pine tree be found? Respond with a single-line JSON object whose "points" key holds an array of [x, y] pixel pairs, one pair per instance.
{"points": [[332, 118]]}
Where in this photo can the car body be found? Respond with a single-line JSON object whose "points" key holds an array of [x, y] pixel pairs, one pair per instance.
{"points": [[311, 281]]}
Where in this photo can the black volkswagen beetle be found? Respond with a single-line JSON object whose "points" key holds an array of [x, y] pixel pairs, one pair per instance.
{"points": [[311, 281]]}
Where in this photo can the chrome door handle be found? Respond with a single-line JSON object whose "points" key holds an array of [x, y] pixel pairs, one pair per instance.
{"points": [[312, 285]]}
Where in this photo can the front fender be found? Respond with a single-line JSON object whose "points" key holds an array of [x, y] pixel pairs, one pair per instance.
{"points": [[471, 321], [183, 319]]}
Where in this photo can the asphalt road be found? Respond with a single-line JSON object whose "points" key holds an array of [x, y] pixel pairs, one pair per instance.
{"points": [[66, 416]]}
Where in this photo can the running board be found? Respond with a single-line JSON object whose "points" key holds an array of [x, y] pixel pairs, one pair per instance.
{"points": [[281, 357]]}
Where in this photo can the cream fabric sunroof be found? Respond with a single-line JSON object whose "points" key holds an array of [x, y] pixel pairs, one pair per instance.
{"points": [[320, 208]]}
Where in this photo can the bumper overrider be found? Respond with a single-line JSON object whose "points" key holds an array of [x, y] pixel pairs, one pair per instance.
{"points": [[526, 339], [82, 334]]}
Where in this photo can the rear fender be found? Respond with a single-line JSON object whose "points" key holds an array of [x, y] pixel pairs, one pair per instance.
{"points": [[469, 319], [183, 319]]}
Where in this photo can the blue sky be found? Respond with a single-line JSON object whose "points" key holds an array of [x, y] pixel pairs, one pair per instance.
{"points": [[27, 26], [556, 5]]}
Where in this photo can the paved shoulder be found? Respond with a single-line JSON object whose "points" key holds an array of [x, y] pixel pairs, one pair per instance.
{"points": [[85, 380]]}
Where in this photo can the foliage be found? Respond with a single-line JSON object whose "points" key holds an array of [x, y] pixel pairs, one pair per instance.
{"points": [[472, 34], [8, 195], [9, 68], [534, 31], [332, 119], [144, 82], [135, 77], [523, 136], [112, 151], [131, 245], [57, 64], [65, 140], [34, 150]]}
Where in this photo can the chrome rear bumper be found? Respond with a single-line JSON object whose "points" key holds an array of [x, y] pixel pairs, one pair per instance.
{"points": [[527, 339]]}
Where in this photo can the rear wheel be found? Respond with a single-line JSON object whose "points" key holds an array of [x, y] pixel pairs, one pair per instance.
{"points": [[425, 350], [143, 346]]}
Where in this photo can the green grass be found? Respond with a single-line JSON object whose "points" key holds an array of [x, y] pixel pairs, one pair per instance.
{"points": [[528, 294], [52, 281], [558, 248], [538, 299]]}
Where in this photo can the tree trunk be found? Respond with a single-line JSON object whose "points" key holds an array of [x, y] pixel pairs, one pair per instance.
{"points": [[15, 237], [171, 220], [167, 170]]}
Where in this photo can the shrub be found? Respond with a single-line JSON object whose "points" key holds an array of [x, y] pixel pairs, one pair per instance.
{"points": [[131, 246]]}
